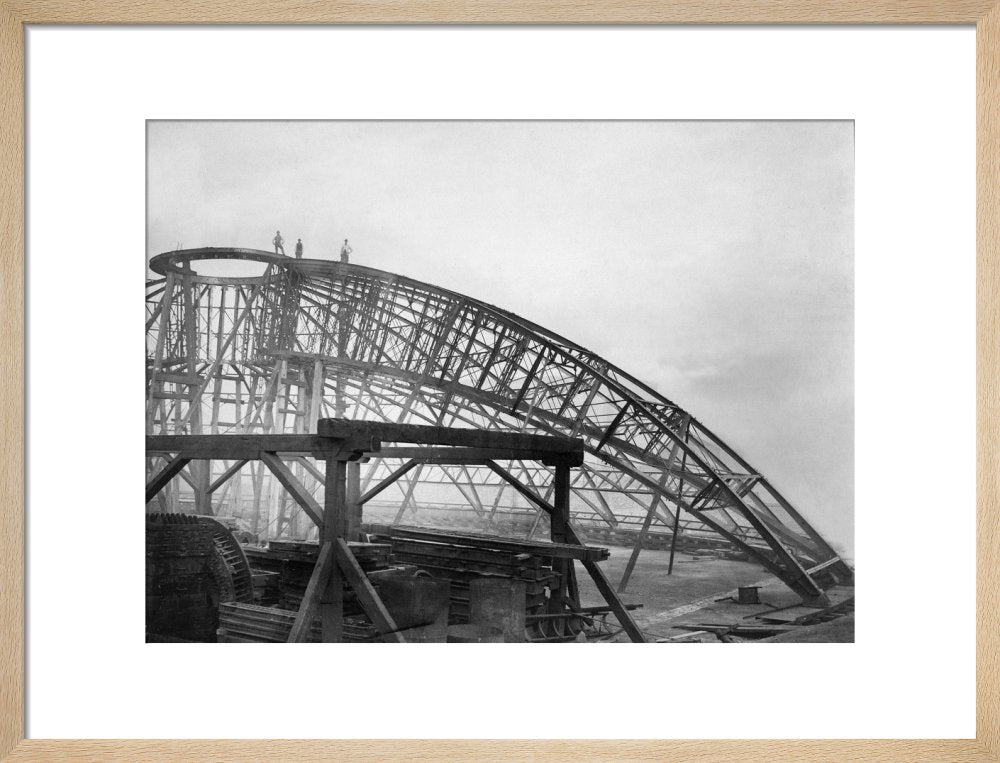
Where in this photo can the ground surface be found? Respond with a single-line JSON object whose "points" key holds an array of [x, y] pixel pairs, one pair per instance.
{"points": [[840, 630], [688, 595]]}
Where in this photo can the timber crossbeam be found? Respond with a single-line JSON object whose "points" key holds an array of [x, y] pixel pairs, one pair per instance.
{"points": [[416, 434], [445, 455], [238, 447]]}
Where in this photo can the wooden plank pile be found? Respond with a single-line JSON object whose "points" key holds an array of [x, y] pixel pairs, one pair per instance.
{"points": [[292, 563], [371, 556], [266, 588], [462, 558], [281, 573], [252, 624]]}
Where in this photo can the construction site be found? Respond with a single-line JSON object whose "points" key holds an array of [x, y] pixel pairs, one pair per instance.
{"points": [[336, 453]]}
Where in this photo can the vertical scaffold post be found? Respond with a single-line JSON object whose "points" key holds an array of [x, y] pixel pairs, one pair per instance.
{"points": [[334, 511], [352, 522], [559, 524]]}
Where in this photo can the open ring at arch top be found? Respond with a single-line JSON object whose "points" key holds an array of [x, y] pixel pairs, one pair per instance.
{"points": [[179, 263]]}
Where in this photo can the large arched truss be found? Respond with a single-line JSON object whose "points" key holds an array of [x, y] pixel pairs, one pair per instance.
{"points": [[311, 339]]}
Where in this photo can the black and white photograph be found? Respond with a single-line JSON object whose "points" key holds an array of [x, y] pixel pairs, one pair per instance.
{"points": [[499, 381]]}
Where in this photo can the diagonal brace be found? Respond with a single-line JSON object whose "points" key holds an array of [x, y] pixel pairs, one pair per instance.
{"points": [[314, 592], [167, 473], [388, 481], [226, 475], [367, 596], [295, 488]]}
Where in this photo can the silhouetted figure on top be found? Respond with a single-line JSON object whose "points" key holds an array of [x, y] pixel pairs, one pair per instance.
{"points": [[278, 242], [298, 249], [345, 252]]}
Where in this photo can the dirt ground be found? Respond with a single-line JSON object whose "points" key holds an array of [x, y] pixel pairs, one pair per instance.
{"points": [[688, 595]]}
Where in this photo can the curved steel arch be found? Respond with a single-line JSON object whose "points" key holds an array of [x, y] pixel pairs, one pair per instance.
{"points": [[312, 338]]}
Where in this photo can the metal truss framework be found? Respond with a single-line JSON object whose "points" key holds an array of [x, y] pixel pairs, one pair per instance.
{"points": [[311, 339]]}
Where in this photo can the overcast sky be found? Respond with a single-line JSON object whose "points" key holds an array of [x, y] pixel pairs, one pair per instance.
{"points": [[712, 260]]}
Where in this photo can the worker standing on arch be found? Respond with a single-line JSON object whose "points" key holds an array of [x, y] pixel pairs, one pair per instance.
{"points": [[345, 251], [278, 242], [298, 250]]}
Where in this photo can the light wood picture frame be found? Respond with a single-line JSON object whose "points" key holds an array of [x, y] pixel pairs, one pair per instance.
{"points": [[15, 14]]}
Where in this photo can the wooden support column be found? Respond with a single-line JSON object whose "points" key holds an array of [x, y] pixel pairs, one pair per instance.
{"points": [[352, 522], [259, 528], [274, 512], [201, 474], [559, 529], [315, 395], [237, 492], [201, 471], [334, 512]]}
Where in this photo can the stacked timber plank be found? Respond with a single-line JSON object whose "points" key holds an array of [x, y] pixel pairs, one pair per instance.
{"points": [[542, 549], [292, 563], [463, 565], [249, 623], [281, 573], [370, 556], [265, 588], [462, 558], [181, 592]]}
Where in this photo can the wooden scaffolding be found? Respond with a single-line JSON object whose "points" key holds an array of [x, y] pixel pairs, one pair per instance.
{"points": [[342, 444]]}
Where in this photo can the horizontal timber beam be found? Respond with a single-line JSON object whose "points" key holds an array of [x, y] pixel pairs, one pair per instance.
{"points": [[250, 446], [459, 455], [418, 434]]}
